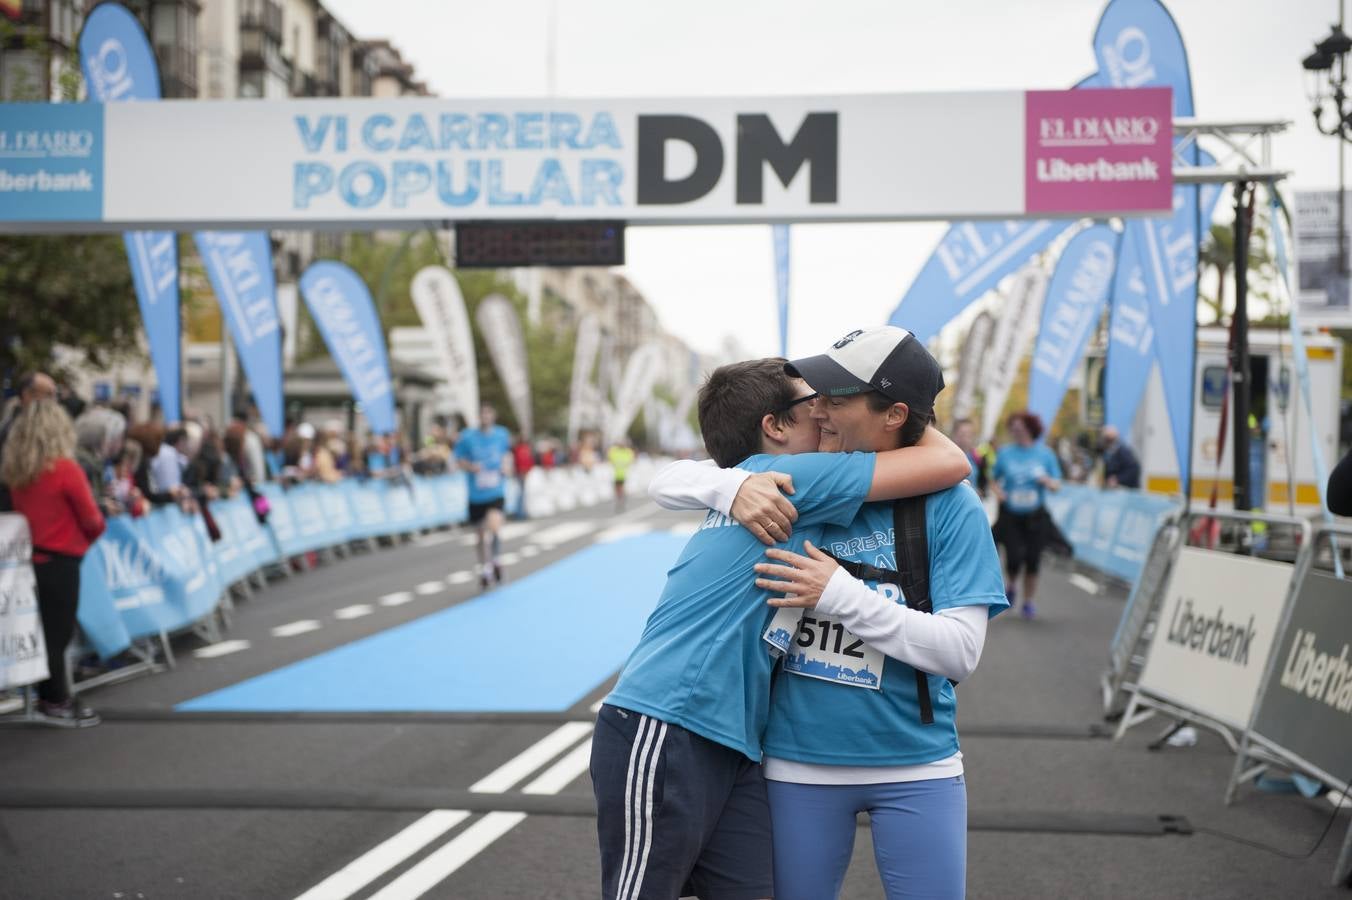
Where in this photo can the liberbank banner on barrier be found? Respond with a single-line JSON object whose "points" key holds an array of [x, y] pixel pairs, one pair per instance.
{"points": [[239, 164], [1216, 627], [1307, 701]]}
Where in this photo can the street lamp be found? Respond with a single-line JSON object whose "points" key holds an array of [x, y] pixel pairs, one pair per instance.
{"points": [[1326, 88]]}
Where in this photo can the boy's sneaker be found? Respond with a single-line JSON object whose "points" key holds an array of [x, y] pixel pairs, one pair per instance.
{"points": [[1027, 610], [67, 715]]}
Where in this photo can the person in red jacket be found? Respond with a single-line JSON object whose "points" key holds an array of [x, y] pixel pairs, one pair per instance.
{"points": [[49, 488]]}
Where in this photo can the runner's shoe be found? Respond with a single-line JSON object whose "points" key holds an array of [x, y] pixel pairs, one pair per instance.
{"points": [[1028, 611], [67, 715], [497, 572]]}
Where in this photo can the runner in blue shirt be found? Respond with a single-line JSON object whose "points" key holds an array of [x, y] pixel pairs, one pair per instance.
{"points": [[485, 455], [849, 730], [681, 802], [1025, 470]]}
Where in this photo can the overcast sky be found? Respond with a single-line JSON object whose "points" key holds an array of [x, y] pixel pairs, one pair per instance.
{"points": [[706, 281]]}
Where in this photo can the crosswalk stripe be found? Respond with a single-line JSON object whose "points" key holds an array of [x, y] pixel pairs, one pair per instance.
{"points": [[390, 853], [447, 859], [355, 611], [427, 588], [398, 598]]}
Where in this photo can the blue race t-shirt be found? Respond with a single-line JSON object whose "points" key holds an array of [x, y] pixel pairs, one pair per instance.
{"points": [[487, 448], [842, 703], [1018, 469], [701, 663]]}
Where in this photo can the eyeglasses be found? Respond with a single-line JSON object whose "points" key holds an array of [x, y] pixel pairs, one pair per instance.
{"points": [[803, 399]]}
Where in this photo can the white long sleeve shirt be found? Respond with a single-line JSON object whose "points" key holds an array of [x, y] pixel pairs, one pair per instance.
{"points": [[948, 643]]}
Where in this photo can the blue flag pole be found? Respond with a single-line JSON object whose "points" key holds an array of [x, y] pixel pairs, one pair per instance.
{"points": [[781, 235]]}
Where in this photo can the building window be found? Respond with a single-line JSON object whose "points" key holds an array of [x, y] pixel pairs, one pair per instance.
{"points": [[1214, 383], [22, 75]]}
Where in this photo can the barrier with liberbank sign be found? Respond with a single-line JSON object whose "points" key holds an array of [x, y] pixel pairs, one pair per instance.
{"points": [[1216, 627], [162, 573], [1302, 717], [1004, 154]]}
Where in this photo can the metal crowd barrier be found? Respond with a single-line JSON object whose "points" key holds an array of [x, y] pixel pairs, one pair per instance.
{"points": [[1130, 641], [1302, 716], [1198, 667]]}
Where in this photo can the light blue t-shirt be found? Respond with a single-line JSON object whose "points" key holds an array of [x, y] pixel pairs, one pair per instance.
{"points": [[813, 720], [701, 663], [487, 448], [1018, 469]]}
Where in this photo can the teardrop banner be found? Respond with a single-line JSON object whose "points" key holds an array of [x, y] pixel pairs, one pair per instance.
{"points": [[501, 329], [441, 307], [239, 265], [1075, 300], [119, 65], [582, 398], [341, 306], [1020, 315]]}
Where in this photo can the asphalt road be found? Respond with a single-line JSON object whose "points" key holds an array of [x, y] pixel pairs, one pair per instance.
{"points": [[404, 803]]}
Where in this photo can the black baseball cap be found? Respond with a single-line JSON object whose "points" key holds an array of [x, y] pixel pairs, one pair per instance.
{"points": [[886, 359]]}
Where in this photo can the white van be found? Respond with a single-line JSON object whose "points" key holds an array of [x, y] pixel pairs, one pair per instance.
{"points": [[1278, 414]]}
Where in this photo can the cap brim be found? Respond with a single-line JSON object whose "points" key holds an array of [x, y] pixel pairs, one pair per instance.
{"points": [[826, 376]]}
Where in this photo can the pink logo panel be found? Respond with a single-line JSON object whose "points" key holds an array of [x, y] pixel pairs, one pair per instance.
{"points": [[1099, 150]]}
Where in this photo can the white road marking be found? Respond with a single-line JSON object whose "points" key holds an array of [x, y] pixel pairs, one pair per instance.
{"points": [[462, 577], [513, 530], [14, 704], [355, 611], [564, 532], [508, 532], [398, 598], [620, 532], [509, 558], [596, 707], [433, 540], [445, 861], [385, 856], [1084, 583], [533, 758], [376, 862], [427, 588], [529, 550], [441, 864], [224, 648], [291, 629]]}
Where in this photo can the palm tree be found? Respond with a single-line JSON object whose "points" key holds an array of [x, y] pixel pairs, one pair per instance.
{"points": [[1218, 255]]}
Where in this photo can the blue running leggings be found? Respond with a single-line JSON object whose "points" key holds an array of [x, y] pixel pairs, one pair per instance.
{"points": [[919, 837]]}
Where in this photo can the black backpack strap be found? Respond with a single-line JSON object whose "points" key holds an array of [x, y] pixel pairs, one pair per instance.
{"points": [[912, 549], [865, 572]]}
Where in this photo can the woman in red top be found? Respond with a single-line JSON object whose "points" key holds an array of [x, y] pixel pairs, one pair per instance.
{"points": [[50, 490]]}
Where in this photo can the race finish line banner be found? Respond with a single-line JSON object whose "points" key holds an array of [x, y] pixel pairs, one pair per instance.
{"points": [[260, 164]]}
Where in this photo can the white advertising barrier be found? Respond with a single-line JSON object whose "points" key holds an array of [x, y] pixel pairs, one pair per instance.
{"points": [[355, 162], [23, 652], [1216, 628], [539, 499]]}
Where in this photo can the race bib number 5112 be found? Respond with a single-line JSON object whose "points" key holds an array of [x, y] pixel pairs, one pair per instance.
{"points": [[828, 650]]}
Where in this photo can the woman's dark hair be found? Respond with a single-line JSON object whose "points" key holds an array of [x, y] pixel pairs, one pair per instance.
{"points": [[1032, 422], [733, 401]]}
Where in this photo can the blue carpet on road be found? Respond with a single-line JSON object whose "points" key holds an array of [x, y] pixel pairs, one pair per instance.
{"points": [[538, 644]]}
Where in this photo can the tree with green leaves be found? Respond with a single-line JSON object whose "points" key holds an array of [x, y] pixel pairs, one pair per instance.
{"points": [[73, 290], [387, 267]]}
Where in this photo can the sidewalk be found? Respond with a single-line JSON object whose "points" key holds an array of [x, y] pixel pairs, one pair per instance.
{"points": [[1041, 676]]}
